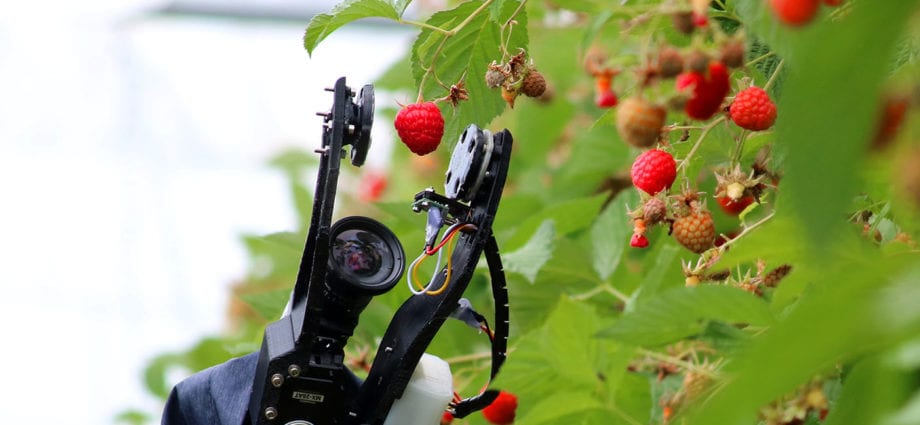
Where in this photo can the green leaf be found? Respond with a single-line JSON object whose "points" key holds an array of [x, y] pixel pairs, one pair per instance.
{"points": [[563, 404], [466, 55], [568, 217], [350, 10], [826, 82], [568, 357], [400, 6], [655, 274], [133, 417], [682, 312], [909, 414], [850, 312], [269, 304], [609, 236], [530, 258]]}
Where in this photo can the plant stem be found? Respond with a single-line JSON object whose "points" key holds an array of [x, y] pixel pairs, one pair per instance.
{"points": [[605, 287], [501, 30], [760, 58], [772, 80], [745, 231], [469, 357], [447, 34], [469, 19], [699, 141], [424, 26]]}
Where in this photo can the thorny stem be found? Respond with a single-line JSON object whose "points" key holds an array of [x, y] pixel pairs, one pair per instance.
{"points": [[678, 362], [447, 34], [745, 231], [424, 26], [739, 147], [760, 58], [683, 163], [430, 70], [605, 287], [772, 80], [508, 24], [469, 357]]}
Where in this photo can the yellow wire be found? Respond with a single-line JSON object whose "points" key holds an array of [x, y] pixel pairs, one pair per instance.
{"points": [[450, 256], [415, 273]]}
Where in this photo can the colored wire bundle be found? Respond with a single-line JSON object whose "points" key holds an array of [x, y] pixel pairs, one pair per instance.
{"points": [[449, 239]]}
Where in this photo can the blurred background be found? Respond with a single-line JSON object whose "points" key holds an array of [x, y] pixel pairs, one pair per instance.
{"points": [[134, 142]]}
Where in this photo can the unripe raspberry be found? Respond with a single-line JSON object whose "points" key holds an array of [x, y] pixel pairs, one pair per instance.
{"points": [[654, 211], [639, 122], [494, 78], [534, 84], [698, 61], [654, 171], [670, 62], [695, 231], [683, 22], [753, 109], [420, 126], [732, 53], [502, 409]]}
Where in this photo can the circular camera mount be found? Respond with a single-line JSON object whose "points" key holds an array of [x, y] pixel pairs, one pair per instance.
{"points": [[363, 120], [468, 163], [365, 255]]}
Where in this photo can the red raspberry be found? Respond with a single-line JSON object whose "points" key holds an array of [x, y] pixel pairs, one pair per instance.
{"points": [[733, 207], [695, 232], [639, 122], [502, 410], [446, 418], [753, 109], [708, 93], [795, 12], [372, 186], [654, 171], [638, 241], [420, 126], [607, 99]]}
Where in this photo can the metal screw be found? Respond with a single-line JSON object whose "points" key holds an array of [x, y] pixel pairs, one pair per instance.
{"points": [[271, 413], [351, 129], [277, 380], [294, 370]]}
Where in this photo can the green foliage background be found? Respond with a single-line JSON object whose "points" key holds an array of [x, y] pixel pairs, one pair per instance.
{"points": [[584, 304]]}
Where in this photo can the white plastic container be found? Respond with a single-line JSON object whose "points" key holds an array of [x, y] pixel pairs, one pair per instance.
{"points": [[429, 391]]}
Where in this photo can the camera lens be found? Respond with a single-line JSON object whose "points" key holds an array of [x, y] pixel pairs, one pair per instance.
{"points": [[366, 255]]}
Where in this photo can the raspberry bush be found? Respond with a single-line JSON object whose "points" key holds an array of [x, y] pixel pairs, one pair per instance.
{"points": [[770, 277]]}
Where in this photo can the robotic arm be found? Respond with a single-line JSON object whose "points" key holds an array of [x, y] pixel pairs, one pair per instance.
{"points": [[299, 376]]}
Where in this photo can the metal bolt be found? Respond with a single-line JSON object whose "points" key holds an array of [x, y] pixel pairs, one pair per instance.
{"points": [[294, 370], [351, 129], [271, 413], [277, 380]]}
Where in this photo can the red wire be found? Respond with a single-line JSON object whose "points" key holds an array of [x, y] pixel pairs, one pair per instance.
{"points": [[447, 237]]}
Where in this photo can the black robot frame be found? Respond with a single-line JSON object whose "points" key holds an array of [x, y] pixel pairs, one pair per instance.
{"points": [[301, 378]]}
